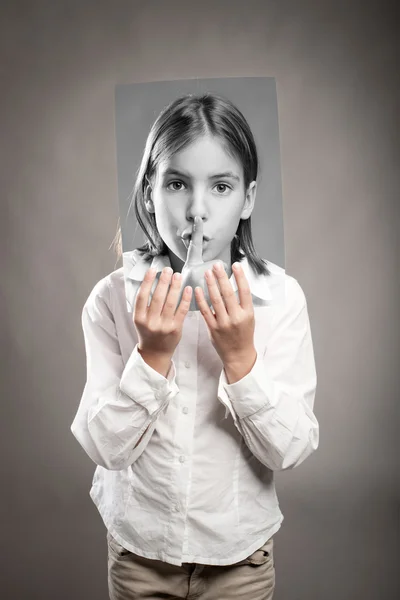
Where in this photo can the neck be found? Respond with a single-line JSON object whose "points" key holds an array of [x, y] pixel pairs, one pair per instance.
{"points": [[176, 262]]}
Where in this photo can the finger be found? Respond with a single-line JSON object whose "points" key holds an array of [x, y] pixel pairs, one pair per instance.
{"points": [[228, 295], [245, 298], [172, 296], [158, 299], [215, 297], [184, 306], [205, 310], [195, 251], [142, 296]]}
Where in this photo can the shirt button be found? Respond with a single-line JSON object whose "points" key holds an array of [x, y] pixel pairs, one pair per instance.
{"points": [[181, 459], [185, 410], [190, 314], [187, 364]]}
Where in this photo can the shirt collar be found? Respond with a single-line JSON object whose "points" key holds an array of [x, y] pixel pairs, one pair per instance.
{"points": [[258, 283]]}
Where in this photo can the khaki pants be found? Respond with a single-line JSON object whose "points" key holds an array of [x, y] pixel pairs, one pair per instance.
{"points": [[132, 577]]}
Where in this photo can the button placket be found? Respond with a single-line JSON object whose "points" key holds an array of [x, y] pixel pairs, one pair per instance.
{"points": [[187, 382]]}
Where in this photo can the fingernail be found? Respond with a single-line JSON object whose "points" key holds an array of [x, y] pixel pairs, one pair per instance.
{"points": [[237, 266]]}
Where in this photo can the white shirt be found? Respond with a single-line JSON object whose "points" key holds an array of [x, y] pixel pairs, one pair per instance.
{"points": [[200, 485]]}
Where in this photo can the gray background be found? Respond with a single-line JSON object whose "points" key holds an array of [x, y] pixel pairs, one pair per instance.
{"points": [[136, 108], [336, 68]]}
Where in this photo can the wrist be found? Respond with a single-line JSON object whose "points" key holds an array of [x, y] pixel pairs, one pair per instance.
{"points": [[161, 354], [239, 365], [234, 359], [159, 361]]}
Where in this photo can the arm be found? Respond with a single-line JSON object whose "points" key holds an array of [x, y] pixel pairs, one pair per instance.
{"points": [[272, 405], [120, 403]]}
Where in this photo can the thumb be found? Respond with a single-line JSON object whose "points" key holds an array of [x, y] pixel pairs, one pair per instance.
{"points": [[195, 250]]}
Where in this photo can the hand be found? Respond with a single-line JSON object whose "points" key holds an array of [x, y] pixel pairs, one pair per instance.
{"points": [[158, 326], [231, 326], [194, 269]]}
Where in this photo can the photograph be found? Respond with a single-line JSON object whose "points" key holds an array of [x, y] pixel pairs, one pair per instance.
{"points": [[201, 129]]}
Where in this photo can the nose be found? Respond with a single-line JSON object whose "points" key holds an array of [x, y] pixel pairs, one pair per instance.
{"points": [[197, 205]]}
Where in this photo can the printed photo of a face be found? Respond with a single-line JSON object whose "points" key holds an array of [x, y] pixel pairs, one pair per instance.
{"points": [[205, 150]]}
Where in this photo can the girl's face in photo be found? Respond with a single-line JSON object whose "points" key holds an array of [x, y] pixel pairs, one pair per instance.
{"points": [[204, 180]]}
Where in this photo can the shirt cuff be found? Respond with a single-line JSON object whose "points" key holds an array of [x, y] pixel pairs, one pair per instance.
{"points": [[251, 393], [145, 385], [224, 398]]}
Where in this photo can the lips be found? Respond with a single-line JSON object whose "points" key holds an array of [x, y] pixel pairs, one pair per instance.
{"points": [[187, 236], [186, 240]]}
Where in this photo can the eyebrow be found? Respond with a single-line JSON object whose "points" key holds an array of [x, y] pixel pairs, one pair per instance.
{"points": [[229, 174]]}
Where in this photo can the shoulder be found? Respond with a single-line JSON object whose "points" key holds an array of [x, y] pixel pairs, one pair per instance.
{"points": [[285, 289], [115, 281], [109, 295], [105, 293]]}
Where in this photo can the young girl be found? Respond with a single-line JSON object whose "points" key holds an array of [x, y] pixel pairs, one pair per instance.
{"points": [[194, 401]]}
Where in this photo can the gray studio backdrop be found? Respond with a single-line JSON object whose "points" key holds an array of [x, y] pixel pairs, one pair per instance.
{"points": [[336, 74], [138, 105]]}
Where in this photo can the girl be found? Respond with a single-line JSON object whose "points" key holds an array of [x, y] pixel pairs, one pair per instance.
{"points": [[187, 413]]}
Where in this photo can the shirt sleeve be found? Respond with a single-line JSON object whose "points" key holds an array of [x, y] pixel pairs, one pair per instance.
{"points": [[119, 402], [272, 406]]}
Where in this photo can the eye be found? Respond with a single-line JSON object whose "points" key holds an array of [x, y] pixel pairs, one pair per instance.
{"points": [[223, 185], [175, 183]]}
